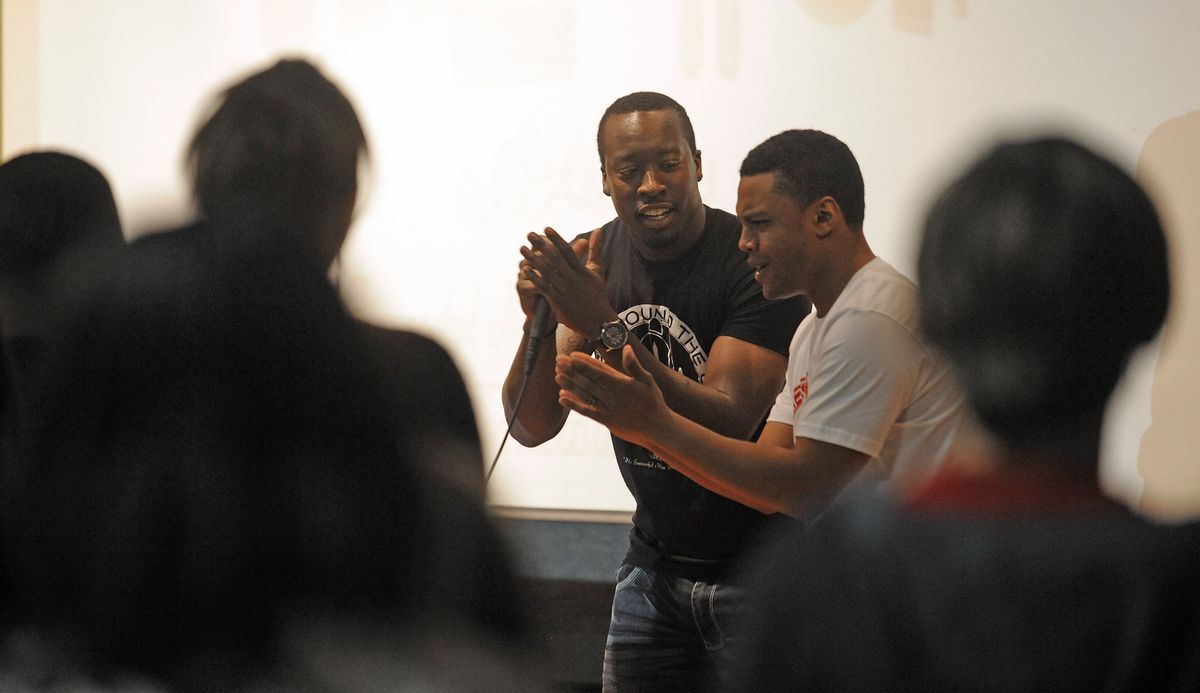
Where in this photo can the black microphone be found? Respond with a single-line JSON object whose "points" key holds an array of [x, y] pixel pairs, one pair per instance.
{"points": [[537, 329]]}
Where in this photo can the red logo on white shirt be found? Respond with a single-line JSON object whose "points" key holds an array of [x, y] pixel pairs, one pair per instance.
{"points": [[800, 392]]}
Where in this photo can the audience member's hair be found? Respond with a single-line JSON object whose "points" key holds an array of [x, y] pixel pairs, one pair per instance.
{"points": [[1041, 269], [280, 155], [49, 202], [809, 164], [640, 101]]}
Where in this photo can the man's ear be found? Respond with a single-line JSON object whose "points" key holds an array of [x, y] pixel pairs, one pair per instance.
{"points": [[699, 168], [604, 182], [827, 216]]}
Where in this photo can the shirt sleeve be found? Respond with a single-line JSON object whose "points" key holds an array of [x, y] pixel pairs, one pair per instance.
{"points": [[859, 382], [782, 410]]}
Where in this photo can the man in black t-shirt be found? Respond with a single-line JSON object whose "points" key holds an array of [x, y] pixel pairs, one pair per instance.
{"points": [[665, 276]]}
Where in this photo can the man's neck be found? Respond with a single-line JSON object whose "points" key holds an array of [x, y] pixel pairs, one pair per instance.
{"points": [[839, 276]]}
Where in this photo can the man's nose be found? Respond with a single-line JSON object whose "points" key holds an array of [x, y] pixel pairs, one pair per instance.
{"points": [[651, 186], [745, 241]]}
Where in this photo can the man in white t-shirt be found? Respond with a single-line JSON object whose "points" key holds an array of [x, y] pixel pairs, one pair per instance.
{"points": [[865, 398]]}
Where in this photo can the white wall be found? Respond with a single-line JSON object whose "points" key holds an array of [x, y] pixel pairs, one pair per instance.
{"points": [[483, 116]]}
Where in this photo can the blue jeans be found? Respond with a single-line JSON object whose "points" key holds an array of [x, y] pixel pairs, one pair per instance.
{"points": [[668, 633]]}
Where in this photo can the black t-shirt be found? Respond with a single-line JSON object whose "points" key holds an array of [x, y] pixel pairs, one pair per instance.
{"points": [[678, 309]]}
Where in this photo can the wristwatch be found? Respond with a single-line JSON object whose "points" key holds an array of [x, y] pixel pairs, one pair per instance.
{"points": [[613, 335]]}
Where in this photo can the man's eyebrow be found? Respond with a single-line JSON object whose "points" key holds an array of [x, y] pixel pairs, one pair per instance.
{"points": [[638, 153]]}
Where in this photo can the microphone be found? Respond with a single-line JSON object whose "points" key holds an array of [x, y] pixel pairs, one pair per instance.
{"points": [[537, 329]]}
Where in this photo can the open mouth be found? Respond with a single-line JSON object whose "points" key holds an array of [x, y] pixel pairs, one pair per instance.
{"points": [[656, 217]]}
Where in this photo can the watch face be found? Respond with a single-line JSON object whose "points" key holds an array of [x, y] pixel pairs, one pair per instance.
{"points": [[614, 334]]}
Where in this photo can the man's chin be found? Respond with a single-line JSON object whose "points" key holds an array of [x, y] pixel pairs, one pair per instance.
{"points": [[657, 238], [775, 293]]}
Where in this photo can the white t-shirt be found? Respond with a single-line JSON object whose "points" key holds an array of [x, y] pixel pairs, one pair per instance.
{"points": [[860, 378]]}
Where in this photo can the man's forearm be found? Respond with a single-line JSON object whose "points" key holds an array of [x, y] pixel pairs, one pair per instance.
{"points": [[713, 460], [539, 415], [799, 481], [714, 484]]}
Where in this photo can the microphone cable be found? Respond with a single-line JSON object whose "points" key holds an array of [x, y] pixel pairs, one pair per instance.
{"points": [[511, 420], [533, 343]]}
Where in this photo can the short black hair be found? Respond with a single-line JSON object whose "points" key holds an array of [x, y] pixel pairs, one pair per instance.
{"points": [[50, 201], [809, 164], [1041, 269], [644, 101], [281, 146]]}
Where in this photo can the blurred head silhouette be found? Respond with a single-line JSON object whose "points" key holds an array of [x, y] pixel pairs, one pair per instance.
{"points": [[279, 159], [58, 220], [49, 202], [1042, 269]]}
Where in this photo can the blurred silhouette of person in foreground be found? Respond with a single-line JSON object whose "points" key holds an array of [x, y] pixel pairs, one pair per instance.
{"points": [[58, 227], [276, 171], [232, 498], [10, 420], [1041, 270]]}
